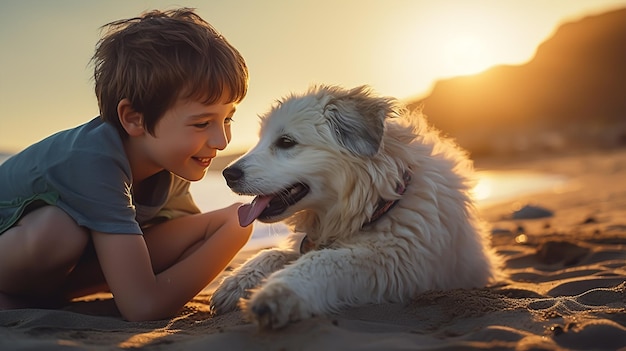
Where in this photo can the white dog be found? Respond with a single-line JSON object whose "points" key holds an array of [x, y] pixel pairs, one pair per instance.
{"points": [[384, 202]]}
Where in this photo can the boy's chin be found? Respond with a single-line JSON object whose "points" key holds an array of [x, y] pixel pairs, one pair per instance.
{"points": [[192, 176]]}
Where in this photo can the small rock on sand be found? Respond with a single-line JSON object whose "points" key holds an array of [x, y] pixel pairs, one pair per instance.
{"points": [[532, 212]]}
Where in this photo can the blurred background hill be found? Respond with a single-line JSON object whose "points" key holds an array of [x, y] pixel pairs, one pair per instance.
{"points": [[571, 95]]}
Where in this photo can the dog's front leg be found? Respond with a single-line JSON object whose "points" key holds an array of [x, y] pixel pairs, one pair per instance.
{"points": [[321, 282], [249, 275]]}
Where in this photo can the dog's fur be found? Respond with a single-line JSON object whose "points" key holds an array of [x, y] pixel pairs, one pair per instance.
{"points": [[352, 149]]}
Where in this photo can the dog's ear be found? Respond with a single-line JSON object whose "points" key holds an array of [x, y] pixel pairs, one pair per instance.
{"points": [[358, 119]]}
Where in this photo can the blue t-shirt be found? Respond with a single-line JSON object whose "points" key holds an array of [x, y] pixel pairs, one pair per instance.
{"points": [[85, 172]]}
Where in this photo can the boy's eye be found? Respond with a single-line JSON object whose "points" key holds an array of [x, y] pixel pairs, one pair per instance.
{"points": [[228, 121], [201, 125]]}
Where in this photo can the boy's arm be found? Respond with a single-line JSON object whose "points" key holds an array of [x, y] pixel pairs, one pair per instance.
{"points": [[140, 294]]}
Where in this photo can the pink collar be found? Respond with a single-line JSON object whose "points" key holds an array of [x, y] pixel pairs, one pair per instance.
{"points": [[385, 205], [382, 207]]}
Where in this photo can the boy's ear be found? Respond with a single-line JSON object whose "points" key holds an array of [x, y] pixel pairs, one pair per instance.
{"points": [[131, 120]]}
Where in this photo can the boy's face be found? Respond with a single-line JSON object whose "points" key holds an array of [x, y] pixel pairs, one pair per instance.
{"points": [[188, 137]]}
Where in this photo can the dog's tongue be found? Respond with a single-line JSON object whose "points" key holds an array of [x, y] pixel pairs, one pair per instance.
{"points": [[249, 212]]}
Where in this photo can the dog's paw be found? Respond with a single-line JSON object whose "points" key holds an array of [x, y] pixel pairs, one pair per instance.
{"points": [[232, 289], [274, 306]]}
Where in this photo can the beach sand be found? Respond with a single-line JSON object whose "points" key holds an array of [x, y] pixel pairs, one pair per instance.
{"points": [[566, 289]]}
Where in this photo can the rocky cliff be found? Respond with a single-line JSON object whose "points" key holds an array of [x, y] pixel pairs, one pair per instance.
{"points": [[571, 94]]}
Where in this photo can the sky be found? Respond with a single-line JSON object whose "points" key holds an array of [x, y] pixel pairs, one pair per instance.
{"points": [[399, 47]]}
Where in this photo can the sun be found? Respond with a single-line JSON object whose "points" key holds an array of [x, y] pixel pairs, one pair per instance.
{"points": [[466, 54]]}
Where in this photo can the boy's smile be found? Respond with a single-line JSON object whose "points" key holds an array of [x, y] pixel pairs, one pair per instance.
{"points": [[204, 161]]}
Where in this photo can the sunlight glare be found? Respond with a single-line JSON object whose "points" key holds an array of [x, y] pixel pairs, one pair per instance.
{"points": [[467, 54], [483, 189], [470, 39]]}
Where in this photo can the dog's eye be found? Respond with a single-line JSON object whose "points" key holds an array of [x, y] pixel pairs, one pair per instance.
{"points": [[285, 142]]}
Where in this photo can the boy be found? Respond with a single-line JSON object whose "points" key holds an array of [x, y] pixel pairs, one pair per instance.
{"points": [[106, 206]]}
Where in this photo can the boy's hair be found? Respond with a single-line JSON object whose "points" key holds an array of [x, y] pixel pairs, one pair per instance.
{"points": [[159, 57]]}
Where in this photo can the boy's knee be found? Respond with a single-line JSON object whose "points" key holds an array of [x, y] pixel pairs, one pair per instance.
{"points": [[54, 236]]}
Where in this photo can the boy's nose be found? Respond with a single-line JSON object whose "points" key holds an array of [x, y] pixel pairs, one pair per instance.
{"points": [[218, 140]]}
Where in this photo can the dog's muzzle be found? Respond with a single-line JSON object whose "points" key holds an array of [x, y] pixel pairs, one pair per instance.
{"points": [[265, 207]]}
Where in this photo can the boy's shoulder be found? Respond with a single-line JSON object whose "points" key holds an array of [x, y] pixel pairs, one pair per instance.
{"points": [[95, 137], [94, 145]]}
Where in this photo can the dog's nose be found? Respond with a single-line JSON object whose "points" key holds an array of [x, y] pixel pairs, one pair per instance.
{"points": [[232, 175]]}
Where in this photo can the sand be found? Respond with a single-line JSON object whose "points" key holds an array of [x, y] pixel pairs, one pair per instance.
{"points": [[566, 289]]}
